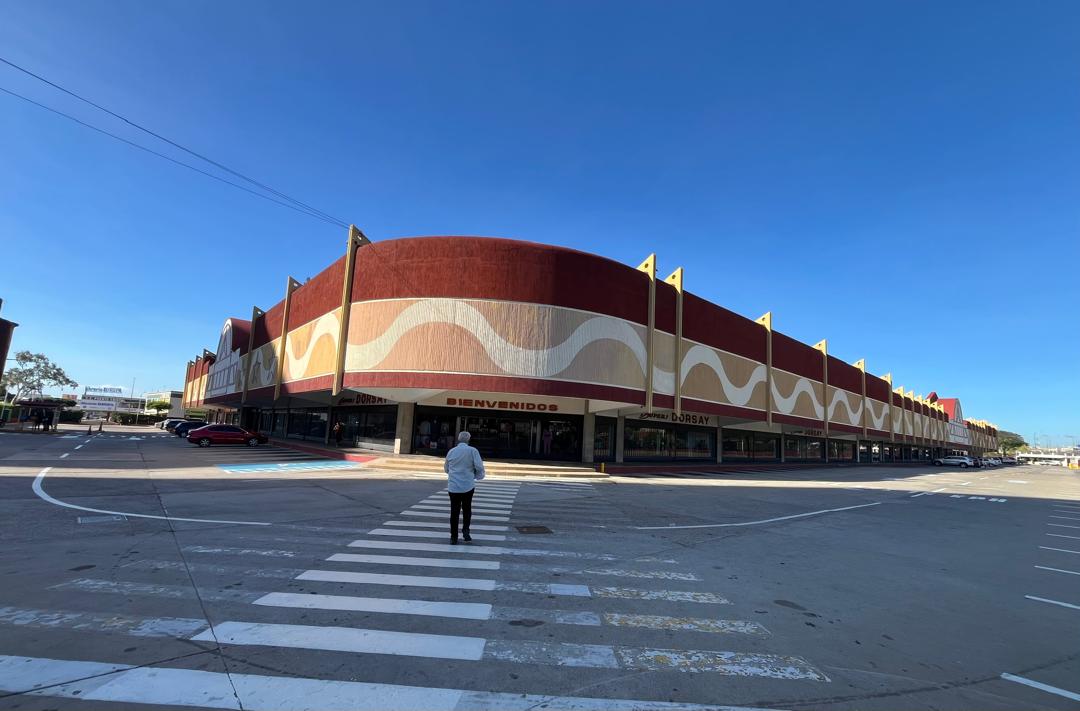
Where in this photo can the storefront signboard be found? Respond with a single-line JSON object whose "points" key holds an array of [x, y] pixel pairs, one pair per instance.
{"points": [[509, 402], [685, 418]]}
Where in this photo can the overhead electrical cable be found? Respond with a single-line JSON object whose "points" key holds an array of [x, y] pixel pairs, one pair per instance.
{"points": [[315, 212], [174, 160]]}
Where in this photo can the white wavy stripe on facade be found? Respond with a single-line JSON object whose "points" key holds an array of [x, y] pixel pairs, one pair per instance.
{"points": [[787, 404], [839, 398], [514, 360], [702, 355], [879, 420], [325, 325], [257, 368]]}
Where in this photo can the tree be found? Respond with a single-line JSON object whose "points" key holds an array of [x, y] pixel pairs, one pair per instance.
{"points": [[1010, 441], [158, 405], [31, 374]]}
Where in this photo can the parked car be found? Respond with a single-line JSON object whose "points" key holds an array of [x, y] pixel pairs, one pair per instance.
{"points": [[1008, 460], [181, 429], [955, 461], [225, 434], [993, 461], [170, 423]]}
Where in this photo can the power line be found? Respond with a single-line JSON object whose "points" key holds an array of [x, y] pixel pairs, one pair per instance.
{"points": [[208, 174], [172, 160], [315, 212]]}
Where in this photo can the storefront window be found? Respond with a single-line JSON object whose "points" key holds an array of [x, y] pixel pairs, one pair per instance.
{"points": [[814, 449], [654, 441], [765, 447], [604, 439], [500, 435], [297, 425], [794, 448], [736, 446]]}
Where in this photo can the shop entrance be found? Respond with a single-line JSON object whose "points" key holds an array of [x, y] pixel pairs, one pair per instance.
{"points": [[499, 435]]}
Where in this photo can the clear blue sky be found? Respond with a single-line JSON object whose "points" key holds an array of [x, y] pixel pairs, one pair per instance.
{"points": [[900, 178]]}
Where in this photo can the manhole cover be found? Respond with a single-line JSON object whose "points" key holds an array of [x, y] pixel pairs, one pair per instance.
{"points": [[533, 529]]}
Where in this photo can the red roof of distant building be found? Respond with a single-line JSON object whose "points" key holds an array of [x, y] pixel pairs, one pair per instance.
{"points": [[951, 405]]}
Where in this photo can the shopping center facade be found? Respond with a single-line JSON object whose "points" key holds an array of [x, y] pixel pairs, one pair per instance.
{"points": [[545, 352]]}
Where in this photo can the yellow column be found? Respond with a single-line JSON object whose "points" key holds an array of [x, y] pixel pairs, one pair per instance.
{"points": [[823, 346], [355, 240], [676, 280], [766, 321], [290, 286], [649, 267], [861, 365]]}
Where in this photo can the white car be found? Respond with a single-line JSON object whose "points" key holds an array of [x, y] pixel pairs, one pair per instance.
{"points": [[1008, 460], [955, 461]]}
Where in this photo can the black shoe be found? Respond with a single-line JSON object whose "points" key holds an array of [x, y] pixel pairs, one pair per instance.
{"points": [[466, 536], [453, 541]]}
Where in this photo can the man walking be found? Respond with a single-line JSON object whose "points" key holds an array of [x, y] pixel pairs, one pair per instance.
{"points": [[463, 467]]}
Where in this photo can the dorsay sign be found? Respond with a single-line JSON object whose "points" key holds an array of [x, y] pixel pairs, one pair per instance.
{"points": [[685, 418]]}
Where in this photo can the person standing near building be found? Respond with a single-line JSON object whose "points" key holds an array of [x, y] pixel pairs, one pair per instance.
{"points": [[338, 432], [463, 467]]}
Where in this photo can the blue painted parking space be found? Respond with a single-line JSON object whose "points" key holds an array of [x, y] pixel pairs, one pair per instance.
{"points": [[263, 467]]}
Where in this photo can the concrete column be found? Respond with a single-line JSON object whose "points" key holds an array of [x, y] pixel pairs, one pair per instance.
{"points": [[719, 444], [620, 436], [329, 423], [404, 428], [781, 441], [588, 438]]}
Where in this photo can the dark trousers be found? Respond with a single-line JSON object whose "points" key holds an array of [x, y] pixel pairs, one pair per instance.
{"points": [[463, 503]]}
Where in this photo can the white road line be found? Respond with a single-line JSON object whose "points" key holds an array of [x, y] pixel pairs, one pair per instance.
{"points": [[1060, 550], [79, 446], [474, 550], [459, 610], [1041, 687], [432, 524], [423, 581], [446, 516], [1062, 525], [405, 533], [1067, 518], [118, 683], [1053, 602], [346, 639], [475, 504], [410, 560], [924, 493], [935, 491], [65, 455], [1057, 570], [666, 595], [755, 523], [1062, 535], [40, 491], [101, 622], [446, 507]]}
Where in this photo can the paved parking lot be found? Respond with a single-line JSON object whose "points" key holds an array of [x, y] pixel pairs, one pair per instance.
{"points": [[140, 569]]}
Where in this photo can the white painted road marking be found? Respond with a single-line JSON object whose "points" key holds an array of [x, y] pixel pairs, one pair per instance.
{"points": [[1062, 535], [1041, 687], [120, 683], [1060, 550], [755, 523], [79, 446], [460, 610], [425, 581], [1057, 570], [446, 516], [1052, 602], [1062, 525], [409, 560], [40, 491], [404, 533], [1067, 518], [65, 455], [474, 550], [346, 639], [432, 524]]}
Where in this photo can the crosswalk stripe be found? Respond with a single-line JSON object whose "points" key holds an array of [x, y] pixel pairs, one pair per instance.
{"points": [[404, 533], [446, 507], [461, 610], [424, 581], [415, 561], [118, 683], [446, 516], [475, 504], [477, 550], [432, 524], [346, 639]]}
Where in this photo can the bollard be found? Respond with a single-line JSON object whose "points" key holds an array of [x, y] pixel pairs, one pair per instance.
{"points": [[99, 426], [601, 467], [89, 429]]}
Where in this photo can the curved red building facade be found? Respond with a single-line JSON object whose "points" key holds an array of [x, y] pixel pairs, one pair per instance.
{"points": [[548, 352]]}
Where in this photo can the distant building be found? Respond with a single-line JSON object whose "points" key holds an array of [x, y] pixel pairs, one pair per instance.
{"points": [[174, 397], [7, 329], [98, 403]]}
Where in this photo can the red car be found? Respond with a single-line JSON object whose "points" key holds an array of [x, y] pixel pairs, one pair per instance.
{"points": [[225, 434]]}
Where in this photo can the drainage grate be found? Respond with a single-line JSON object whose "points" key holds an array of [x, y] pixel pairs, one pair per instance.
{"points": [[533, 529], [101, 519]]}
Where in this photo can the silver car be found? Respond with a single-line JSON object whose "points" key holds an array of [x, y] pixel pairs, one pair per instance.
{"points": [[955, 461]]}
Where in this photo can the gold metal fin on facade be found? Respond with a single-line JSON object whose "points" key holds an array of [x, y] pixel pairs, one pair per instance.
{"points": [[676, 280], [861, 365], [823, 346], [256, 314], [649, 267], [291, 285], [766, 320], [353, 242]]}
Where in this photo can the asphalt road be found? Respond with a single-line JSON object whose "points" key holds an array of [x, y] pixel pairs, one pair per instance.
{"points": [[140, 572]]}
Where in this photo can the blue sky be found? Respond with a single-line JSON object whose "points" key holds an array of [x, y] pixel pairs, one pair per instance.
{"points": [[900, 178]]}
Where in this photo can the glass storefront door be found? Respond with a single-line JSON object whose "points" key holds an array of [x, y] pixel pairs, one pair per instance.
{"points": [[499, 435]]}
